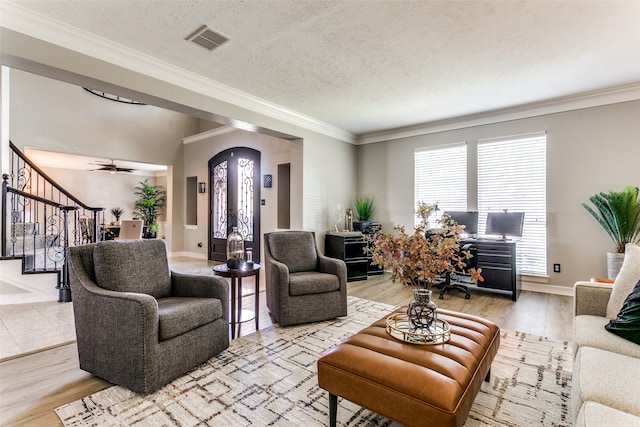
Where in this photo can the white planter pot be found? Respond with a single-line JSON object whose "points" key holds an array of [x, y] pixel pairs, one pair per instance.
{"points": [[614, 262]]}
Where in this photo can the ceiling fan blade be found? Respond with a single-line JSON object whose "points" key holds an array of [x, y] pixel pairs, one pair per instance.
{"points": [[111, 167]]}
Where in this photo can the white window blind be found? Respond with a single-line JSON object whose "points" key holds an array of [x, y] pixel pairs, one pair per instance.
{"points": [[512, 176], [440, 176]]}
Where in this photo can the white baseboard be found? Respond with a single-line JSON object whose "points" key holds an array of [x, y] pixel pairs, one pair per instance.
{"points": [[188, 255], [547, 289]]}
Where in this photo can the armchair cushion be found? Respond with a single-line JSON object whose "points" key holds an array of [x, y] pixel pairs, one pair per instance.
{"points": [[139, 266], [296, 249], [180, 315], [304, 283]]}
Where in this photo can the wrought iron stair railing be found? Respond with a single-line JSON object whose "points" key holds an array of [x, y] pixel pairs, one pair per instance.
{"points": [[41, 219]]}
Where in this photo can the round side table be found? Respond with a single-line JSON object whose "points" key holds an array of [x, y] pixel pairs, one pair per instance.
{"points": [[236, 276]]}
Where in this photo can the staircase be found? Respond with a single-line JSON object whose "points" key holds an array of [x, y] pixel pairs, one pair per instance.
{"points": [[40, 220]]}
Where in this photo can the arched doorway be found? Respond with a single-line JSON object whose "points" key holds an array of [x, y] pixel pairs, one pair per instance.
{"points": [[234, 200]]}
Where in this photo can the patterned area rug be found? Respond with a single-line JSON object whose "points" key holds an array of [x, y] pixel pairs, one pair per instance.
{"points": [[269, 378]]}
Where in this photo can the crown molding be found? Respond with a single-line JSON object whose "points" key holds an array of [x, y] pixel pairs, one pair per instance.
{"points": [[19, 19], [208, 134], [557, 105]]}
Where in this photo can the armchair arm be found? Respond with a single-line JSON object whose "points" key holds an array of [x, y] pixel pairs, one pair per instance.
{"points": [[591, 298], [198, 286], [277, 275], [333, 266], [117, 333], [278, 272], [114, 311]]}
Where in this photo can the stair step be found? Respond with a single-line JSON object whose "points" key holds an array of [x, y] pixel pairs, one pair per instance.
{"points": [[18, 288]]}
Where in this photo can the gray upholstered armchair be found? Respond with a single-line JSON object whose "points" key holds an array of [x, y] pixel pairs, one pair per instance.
{"points": [[303, 285], [138, 324]]}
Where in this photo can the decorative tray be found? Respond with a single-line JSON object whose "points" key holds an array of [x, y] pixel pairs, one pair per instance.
{"points": [[398, 327]]}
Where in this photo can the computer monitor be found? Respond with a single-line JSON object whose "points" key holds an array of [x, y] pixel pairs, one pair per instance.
{"points": [[505, 224], [469, 219]]}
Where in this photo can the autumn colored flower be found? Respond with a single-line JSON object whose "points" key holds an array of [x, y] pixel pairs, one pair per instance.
{"points": [[419, 258]]}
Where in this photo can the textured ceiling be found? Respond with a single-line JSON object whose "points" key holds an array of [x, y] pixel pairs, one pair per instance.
{"points": [[364, 66]]}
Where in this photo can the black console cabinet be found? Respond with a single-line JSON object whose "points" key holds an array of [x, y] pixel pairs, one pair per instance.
{"points": [[349, 247], [498, 261], [369, 229]]}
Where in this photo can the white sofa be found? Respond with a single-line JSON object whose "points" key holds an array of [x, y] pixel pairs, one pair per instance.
{"points": [[606, 371]]}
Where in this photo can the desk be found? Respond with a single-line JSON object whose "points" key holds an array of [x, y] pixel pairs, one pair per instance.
{"points": [[236, 294], [112, 232], [498, 260]]}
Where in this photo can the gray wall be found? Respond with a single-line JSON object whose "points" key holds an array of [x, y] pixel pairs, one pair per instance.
{"points": [[588, 151]]}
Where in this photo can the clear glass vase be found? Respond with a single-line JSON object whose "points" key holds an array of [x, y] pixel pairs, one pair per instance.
{"points": [[422, 312], [235, 249]]}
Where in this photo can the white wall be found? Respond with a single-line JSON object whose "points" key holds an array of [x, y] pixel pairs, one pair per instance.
{"points": [[588, 151], [273, 151], [52, 115], [329, 178], [58, 116], [101, 189]]}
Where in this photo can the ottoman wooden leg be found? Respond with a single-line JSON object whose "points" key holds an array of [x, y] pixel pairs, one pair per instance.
{"points": [[333, 409], [488, 377]]}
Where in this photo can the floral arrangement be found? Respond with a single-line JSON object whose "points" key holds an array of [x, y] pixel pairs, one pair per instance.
{"points": [[418, 259]]}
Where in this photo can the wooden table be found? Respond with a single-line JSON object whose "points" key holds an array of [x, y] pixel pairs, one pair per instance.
{"points": [[236, 276]]}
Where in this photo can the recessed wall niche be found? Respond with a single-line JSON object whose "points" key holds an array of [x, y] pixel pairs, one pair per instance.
{"points": [[192, 200]]}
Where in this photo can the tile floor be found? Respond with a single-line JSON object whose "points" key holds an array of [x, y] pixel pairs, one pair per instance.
{"points": [[29, 327], [34, 326]]}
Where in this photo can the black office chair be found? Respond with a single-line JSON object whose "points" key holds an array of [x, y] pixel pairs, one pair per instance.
{"points": [[458, 280]]}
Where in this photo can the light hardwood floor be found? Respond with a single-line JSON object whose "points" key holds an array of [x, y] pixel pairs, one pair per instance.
{"points": [[33, 385]]}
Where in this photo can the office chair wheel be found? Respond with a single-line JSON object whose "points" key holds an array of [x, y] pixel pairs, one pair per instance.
{"points": [[441, 296], [467, 296]]}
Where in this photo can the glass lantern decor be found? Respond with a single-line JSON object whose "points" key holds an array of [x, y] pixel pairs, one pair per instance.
{"points": [[235, 249]]}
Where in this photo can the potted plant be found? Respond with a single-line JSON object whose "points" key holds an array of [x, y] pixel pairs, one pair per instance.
{"points": [[117, 213], [151, 201], [364, 211], [152, 230], [619, 214]]}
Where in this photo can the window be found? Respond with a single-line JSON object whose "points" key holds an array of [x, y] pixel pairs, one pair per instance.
{"points": [[441, 177], [512, 176]]}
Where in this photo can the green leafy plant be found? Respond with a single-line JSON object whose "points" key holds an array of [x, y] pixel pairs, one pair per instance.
{"points": [[117, 212], [151, 201], [619, 214], [364, 207]]}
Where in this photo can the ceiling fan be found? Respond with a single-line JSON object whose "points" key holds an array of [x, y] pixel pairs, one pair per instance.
{"points": [[111, 167]]}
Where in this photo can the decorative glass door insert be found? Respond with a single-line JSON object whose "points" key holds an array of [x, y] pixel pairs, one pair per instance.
{"points": [[235, 199]]}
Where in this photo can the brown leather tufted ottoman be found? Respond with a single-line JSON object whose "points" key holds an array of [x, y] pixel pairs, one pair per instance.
{"points": [[416, 385]]}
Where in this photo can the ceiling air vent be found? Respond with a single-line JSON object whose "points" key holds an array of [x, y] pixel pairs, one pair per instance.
{"points": [[208, 38]]}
